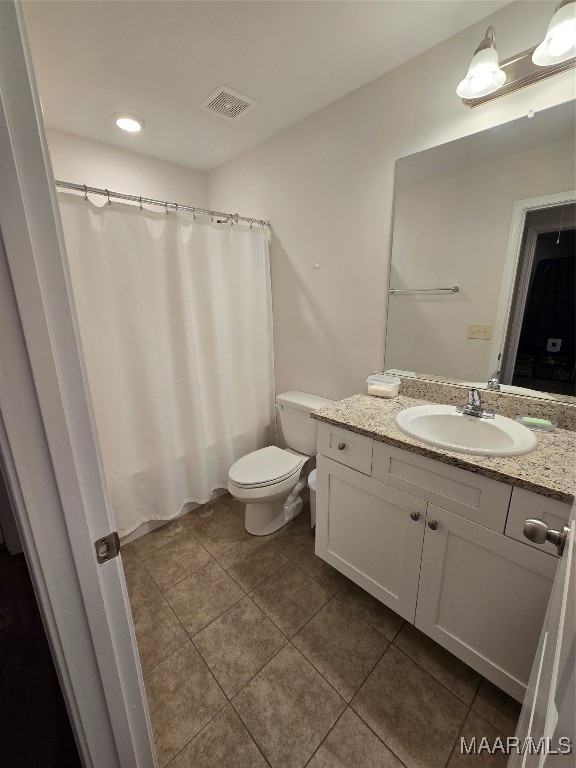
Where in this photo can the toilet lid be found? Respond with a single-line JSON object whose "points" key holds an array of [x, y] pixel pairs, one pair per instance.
{"points": [[267, 465]]}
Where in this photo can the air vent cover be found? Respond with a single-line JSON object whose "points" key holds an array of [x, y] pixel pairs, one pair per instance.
{"points": [[228, 104]]}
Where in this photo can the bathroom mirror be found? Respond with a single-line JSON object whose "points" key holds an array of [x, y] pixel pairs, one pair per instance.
{"points": [[482, 270]]}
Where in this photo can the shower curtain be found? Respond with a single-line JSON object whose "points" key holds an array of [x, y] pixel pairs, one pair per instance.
{"points": [[175, 323]]}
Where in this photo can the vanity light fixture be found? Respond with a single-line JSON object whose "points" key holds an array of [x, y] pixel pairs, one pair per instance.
{"points": [[487, 79], [560, 41], [484, 74], [129, 123]]}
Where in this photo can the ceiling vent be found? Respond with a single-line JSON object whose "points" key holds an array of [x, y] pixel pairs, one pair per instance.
{"points": [[228, 104]]}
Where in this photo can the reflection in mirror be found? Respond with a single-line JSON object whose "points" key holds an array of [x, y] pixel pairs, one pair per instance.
{"points": [[485, 213]]}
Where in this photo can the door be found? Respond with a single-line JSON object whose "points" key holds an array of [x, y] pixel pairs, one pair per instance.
{"points": [[47, 445], [370, 532], [549, 710], [483, 596]]}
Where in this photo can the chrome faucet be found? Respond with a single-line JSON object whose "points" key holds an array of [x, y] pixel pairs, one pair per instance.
{"points": [[474, 406], [494, 381]]}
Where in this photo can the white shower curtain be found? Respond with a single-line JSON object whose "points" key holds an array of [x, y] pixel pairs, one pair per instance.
{"points": [[176, 329]]}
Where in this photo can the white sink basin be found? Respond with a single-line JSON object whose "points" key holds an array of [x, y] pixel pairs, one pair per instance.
{"points": [[443, 426]]}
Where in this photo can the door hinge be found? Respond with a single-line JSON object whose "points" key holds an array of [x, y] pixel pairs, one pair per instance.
{"points": [[107, 547]]}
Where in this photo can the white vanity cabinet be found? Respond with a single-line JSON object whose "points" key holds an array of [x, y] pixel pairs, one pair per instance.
{"points": [[483, 596], [372, 533], [437, 545]]}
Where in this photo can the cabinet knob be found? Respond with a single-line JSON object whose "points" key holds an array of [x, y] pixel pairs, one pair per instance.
{"points": [[341, 446], [415, 516], [433, 524], [538, 532]]}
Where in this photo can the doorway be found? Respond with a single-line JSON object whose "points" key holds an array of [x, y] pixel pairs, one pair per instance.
{"points": [[540, 346], [34, 724]]}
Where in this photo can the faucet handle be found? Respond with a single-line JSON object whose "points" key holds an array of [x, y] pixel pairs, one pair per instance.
{"points": [[474, 398]]}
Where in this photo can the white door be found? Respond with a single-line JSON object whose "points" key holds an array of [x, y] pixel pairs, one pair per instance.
{"points": [[549, 710], [47, 445]]}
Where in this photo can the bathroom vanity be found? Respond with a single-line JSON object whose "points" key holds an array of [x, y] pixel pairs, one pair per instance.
{"points": [[438, 536]]}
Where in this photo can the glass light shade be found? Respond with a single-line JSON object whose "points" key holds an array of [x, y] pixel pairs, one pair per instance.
{"points": [[484, 75], [560, 41]]}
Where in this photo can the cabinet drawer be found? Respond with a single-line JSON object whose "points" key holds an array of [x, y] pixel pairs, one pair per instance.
{"points": [[477, 498], [525, 504], [345, 447]]}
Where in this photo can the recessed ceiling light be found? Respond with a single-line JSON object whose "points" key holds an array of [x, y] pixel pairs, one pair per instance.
{"points": [[129, 123]]}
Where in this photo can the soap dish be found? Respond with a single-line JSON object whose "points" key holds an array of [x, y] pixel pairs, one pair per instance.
{"points": [[536, 424]]}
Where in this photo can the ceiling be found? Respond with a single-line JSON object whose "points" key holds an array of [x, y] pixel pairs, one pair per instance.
{"points": [[161, 59]]}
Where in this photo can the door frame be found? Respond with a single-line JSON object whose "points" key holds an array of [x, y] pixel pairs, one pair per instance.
{"points": [[49, 454], [524, 272], [520, 210]]}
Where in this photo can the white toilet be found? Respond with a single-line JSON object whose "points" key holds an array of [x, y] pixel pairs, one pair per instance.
{"points": [[269, 481]]}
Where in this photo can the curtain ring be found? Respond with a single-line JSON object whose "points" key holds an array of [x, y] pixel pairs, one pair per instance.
{"points": [[108, 196], [166, 204], [85, 193], [140, 202], [212, 216], [194, 213], [175, 207], [251, 223]]}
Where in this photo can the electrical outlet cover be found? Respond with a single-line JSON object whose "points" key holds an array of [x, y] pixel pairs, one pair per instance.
{"points": [[479, 331]]}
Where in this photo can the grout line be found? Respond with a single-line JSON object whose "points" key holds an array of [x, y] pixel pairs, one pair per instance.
{"points": [[468, 706], [380, 739], [171, 762], [340, 716], [460, 730]]}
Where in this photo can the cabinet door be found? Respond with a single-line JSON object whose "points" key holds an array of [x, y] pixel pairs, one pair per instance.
{"points": [[365, 530], [483, 596]]}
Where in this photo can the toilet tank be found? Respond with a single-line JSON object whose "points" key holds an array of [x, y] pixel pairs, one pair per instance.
{"points": [[298, 429]]}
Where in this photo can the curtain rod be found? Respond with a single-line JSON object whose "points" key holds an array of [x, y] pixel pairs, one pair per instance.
{"points": [[229, 218]]}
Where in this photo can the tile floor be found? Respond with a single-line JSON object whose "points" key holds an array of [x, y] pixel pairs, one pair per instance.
{"points": [[257, 654]]}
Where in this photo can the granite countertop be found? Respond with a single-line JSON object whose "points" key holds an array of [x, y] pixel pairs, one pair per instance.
{"points": [[549, 470]]}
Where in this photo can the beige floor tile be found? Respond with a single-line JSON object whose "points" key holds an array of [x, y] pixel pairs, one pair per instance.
{"points": [[158, 631], [141, 586], [497, 707], [351, 744], [292, 537], [476, 726], [128, 553], [203, 596], [224, 743], [342, 647], [182, 698], [415, 716], [290, 597], [217, 527], [440, 663], [238, 644], [172, 530], [174, 561], [319, 569], [288, 708], [371, 610], [251, 562]]}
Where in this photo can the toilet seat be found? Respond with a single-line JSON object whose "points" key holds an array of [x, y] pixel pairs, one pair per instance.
{"points": [[265, 467]]}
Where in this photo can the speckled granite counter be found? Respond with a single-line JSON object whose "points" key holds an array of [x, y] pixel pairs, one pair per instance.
{"points": [[549, 470]]}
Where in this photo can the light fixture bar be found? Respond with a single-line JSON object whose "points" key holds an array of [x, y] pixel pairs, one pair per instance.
{"points": [[520, 72]]}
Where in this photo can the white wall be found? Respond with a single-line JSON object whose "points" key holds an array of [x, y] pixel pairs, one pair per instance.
{"points": [[84, 161], [453, 229], [327, 185]]}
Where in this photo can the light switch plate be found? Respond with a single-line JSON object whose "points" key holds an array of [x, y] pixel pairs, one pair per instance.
{"points": [[479, 331]]}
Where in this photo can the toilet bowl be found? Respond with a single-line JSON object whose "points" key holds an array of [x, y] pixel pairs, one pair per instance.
{"points": [[269, 480]]}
